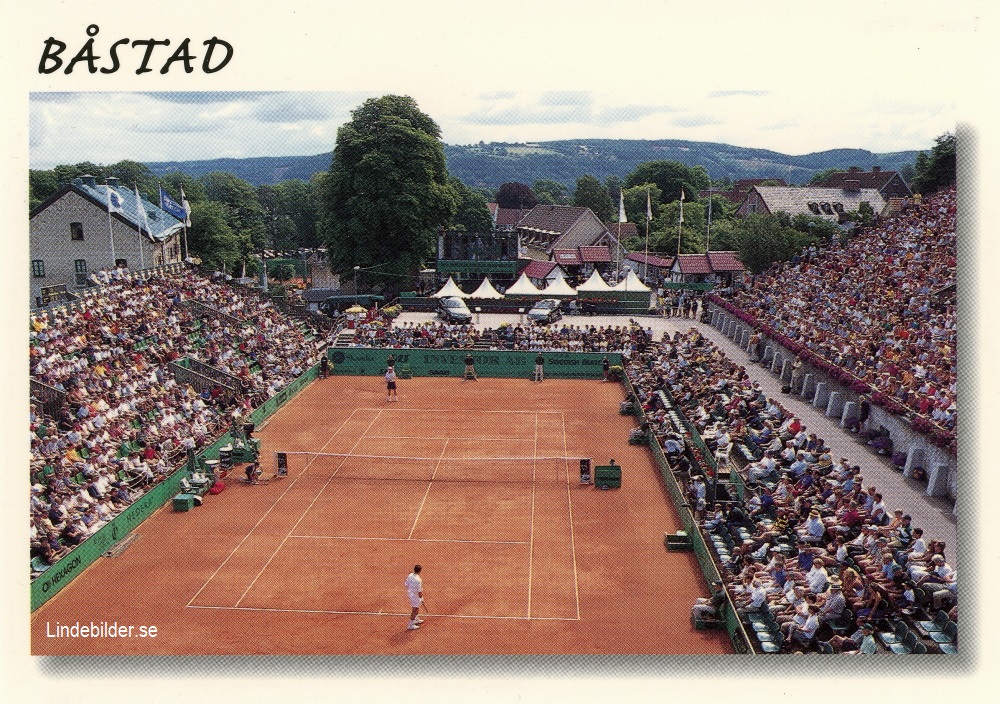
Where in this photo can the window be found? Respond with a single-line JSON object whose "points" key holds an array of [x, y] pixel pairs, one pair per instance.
{"points": [[80, 267], [76, 230], [38, 268]]}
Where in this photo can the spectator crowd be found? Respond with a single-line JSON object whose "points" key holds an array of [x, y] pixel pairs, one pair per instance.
{"points": [[810, 541], [880, 308], [125, 422]]}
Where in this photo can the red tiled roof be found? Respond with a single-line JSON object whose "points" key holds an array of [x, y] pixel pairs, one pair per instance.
{"points": [[509, 216], [694, 264], [652, 260], [725, 261], [622, 230], [599, 253], [567, 257], [538, 269]]}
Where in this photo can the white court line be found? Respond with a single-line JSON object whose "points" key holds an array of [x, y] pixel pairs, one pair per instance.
{"points": [[452, 410], [380, 613], [572, 534], [307, 509], [264, 515], [430, 483], [456, 437], [531, 522], [412, 540]]}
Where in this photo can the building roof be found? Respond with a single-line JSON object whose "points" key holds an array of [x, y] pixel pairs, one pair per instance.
{"points": [[725, 261], [876, 178], [567, 257], [693, 264], [595, 254], [552, 219], [158, 223], [651, 260], [539, 269], [740, 189], [622, 230], [509, 217], [796, 200]]}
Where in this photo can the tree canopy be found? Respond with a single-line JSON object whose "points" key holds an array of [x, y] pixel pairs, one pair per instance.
{"points": [[937, 169], [472, 213], [387, 192], [591, 193], [670, 177], [516, 195]]}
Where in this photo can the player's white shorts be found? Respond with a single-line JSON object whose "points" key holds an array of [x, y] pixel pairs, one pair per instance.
{"points": [[414, 601]]}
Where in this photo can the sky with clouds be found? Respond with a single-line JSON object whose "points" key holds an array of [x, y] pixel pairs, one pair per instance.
{"points": [[69, 127]]}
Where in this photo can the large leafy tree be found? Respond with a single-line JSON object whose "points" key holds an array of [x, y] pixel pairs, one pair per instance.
{"points": [[937, 169], [516, 195], [551, 192], [244, 213], [591, 193], [670, 177], [213, 240], [387, 192], [472, 213], [291, 212]]}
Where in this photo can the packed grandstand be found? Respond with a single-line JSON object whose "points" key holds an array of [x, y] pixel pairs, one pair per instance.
{"points": [[811, 558]]}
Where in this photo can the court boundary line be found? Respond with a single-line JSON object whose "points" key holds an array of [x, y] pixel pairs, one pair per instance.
{"points": [[304, 512], [411, 540], [263, 516], [427, 491], [531, 522], [396, 614], [572, 532]]}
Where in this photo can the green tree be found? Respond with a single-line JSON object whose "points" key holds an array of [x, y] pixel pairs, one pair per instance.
{"points": [[245, 215], [670, 177], [282, 272], [291, 212], [591, 193], [387, 192], [550, 192], [472, 213], [820, 176], [211, 238], [42, 185], [133, 174], [635, 204], [516, 195], [938, 169], [193, 188]]}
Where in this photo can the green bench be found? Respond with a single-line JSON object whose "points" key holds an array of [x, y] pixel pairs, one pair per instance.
{"points": [[608, 476]]}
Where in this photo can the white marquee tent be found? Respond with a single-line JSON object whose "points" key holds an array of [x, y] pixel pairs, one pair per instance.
{"points": [[450, 289], [486, 290]]}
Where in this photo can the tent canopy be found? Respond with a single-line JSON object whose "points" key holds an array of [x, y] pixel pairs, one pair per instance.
{"points": [[486, 290], [450, 289], [594, 283], [523, 287], [559, 287], [631, 283]]}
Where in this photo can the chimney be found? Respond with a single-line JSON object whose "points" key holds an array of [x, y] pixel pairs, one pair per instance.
{"points": [[876, 169], [89, 180], [111, 181], [854, 169]]}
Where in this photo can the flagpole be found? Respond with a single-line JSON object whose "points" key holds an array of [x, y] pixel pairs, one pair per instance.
{"points": [[138, 208], [680, 220], [111, 234], [708, 228], [649, 216]]}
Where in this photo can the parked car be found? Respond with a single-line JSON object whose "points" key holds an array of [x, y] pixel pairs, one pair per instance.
{"points": [[547, 310], [453, 310]]}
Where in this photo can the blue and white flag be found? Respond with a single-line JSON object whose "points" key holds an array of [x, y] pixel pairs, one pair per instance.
{"points": [[171, 206], [115, 201]]}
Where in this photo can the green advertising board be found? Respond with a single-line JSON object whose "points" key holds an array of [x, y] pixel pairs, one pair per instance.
{"points": [[511, 364]]}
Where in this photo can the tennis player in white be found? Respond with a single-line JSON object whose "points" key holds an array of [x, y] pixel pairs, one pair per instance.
{"points": [[415, 592]]}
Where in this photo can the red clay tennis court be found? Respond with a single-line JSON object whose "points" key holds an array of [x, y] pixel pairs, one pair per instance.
{"points": [[478, 482]]}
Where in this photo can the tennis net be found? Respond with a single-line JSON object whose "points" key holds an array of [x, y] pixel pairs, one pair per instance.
{"points": [[439, 469]]}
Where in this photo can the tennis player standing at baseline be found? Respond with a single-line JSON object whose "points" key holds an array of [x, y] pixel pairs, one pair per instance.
{"points": [[390, 385], [415, 592]]}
